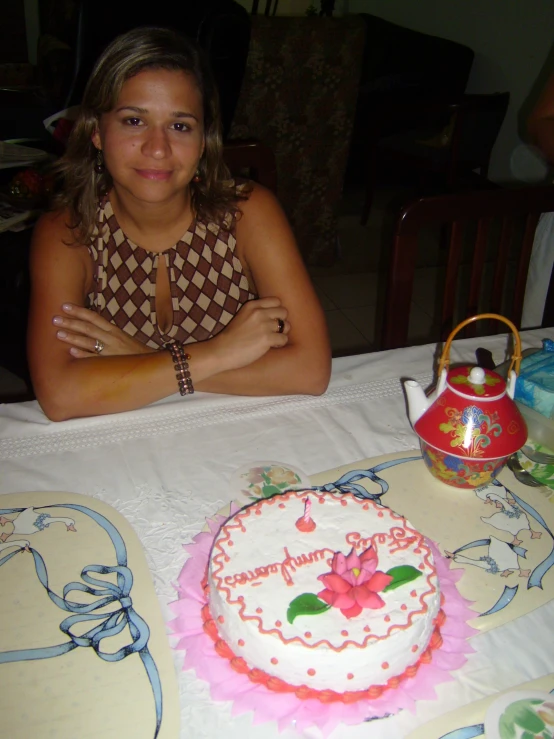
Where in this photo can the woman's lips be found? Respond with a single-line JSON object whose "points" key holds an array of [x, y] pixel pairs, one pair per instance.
{"points": [[154, 174]]}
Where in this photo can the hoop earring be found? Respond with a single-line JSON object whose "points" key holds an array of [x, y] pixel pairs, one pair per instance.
{"points": [[197, 177], [99, 167]]}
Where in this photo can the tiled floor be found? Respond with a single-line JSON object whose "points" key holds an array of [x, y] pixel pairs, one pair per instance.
{"points": [[348, 290], [350, 305]]}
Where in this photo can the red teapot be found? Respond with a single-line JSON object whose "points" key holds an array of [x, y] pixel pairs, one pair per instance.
{"points": [[470, 425]]}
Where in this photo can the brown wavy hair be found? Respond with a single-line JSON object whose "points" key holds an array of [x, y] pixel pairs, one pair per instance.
{"points": [[133, 52]]}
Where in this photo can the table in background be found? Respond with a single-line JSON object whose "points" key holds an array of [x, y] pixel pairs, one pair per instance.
{"points": [[168, 466]]}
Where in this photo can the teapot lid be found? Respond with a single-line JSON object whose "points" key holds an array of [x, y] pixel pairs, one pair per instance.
{"points": [[473, 417], [476, 382]]}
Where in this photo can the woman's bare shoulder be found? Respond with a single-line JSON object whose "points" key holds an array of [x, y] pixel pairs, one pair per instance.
{"points": [[256, 195], [55, 225], [55, 247], [53, 236], [260, 209]]}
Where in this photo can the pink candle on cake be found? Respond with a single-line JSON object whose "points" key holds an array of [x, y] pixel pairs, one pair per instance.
{"points": [[306, 523]]}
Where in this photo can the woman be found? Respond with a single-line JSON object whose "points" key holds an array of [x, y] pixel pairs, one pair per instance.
{"points": [[152, 248]]}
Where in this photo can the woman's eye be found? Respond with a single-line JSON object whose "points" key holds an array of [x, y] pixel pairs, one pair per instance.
{"points": [[180, 126], [132, 121]]}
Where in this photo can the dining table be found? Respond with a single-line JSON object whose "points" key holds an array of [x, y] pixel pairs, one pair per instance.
{"points": [[173, 464]]}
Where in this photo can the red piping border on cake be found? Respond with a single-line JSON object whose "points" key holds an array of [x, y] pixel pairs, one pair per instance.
{"points": [[303, 692], [235, 522]]}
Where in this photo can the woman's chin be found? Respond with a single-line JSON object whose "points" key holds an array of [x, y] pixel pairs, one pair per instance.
{"points": [[152, 192]]}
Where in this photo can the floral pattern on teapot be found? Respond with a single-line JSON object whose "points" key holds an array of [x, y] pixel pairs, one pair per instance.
{"points": [[471, 429], [469, 425], [458, 471]]}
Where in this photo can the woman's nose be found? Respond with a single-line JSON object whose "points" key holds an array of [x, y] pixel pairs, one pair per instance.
{"points": [[156, 144]]}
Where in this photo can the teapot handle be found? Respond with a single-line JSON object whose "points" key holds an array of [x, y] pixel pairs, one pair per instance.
{"points": [[516, 356]]}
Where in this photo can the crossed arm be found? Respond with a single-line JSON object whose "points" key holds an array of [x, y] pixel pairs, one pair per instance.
{"points": [[247, 358]]}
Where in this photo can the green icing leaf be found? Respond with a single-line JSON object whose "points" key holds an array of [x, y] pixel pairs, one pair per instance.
{"points": [[306, 604], [401, 575]]}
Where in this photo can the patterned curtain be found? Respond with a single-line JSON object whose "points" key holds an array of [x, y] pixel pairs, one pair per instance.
{"points": [[299, 97]]}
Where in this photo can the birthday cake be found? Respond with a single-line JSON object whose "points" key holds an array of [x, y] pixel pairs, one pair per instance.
{"points": [[322, 594]]}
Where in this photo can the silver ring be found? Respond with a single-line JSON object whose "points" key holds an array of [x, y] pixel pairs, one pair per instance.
{"points": [[99, 346], [280, 325]]}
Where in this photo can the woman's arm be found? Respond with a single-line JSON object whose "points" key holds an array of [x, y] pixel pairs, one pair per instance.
{"points": [[267, 248], [67, 386], [70, 386], [541, 121]]}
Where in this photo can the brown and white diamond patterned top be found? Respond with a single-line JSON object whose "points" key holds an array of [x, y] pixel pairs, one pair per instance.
{"points": [[208, 283]]}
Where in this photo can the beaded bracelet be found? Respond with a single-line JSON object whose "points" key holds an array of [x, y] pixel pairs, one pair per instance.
{"points": [[181, 364]]}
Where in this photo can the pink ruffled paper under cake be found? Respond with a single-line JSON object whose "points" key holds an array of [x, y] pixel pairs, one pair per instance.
{"points": [[284, 708]]}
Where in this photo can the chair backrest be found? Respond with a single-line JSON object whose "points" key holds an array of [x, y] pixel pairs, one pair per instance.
{"points": [[478, 122], [489, 241], [252, 159]]}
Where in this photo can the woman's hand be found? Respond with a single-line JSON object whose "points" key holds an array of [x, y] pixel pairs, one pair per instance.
{"points": [[252, 332], [82, 329]]}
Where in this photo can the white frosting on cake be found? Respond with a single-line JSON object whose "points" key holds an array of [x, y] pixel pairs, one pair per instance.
{"points": [[260, 562]]}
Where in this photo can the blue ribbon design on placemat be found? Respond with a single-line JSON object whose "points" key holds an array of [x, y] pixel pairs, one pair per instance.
{"points": [[467, 732], [111, 623], [346, 484], [535, 579], [483, 543], [508, 594]]}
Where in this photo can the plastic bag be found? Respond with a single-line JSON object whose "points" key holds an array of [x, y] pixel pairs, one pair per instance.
{"points": [[535, 383]]}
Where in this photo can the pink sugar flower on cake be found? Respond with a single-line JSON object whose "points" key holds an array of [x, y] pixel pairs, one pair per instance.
{"points": [[354, 583]]}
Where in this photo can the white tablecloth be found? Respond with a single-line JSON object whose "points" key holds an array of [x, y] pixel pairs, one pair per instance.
{"points": [[169, 466]]}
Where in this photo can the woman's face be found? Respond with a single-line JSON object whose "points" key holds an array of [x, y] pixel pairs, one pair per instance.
{"points": [[154, 137]]}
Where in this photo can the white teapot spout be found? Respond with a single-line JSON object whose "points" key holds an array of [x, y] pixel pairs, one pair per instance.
{"points": [[418, 402]]}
